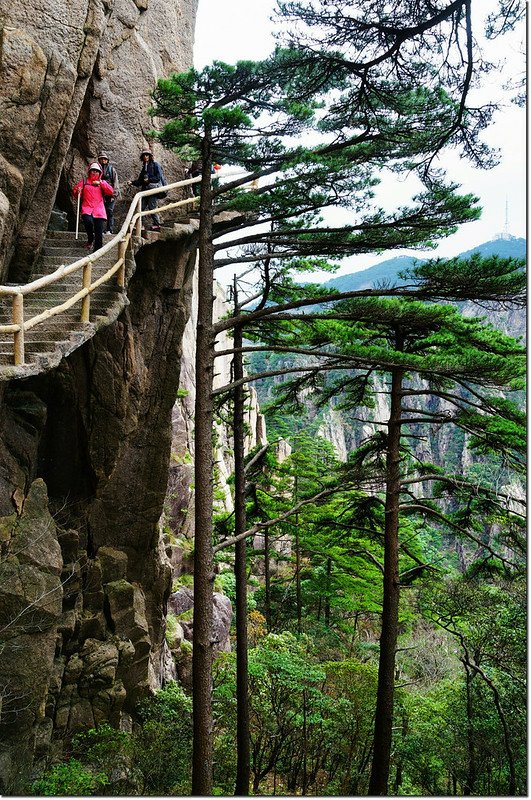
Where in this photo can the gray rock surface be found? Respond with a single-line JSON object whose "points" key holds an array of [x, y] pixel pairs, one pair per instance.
{"points": [[182, 601], [79, 74], [31, 595], [97, 430]]}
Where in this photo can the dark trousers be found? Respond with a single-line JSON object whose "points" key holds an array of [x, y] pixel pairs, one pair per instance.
{"points": [[109, 208], [148, 204], [94, 228]]}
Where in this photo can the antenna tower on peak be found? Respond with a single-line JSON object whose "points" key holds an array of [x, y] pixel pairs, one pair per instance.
{"points": [[505, 233]]}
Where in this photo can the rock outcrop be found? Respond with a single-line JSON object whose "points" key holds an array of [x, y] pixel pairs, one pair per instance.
{"points": [[85, 451], [77, 77], [85, 448]]}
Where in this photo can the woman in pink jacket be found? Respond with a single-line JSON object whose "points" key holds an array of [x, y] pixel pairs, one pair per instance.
{"points": [[93, 213]]}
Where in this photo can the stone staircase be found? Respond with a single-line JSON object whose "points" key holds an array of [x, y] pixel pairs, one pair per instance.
{"points": [[50, 341]]}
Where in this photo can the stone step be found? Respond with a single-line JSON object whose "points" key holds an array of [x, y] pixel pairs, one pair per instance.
{"points": [[66, 286], [97, 305], [64, 332], [68, 238], [36, 341], [63, 321], [47, 331], [71, 280], [49, 263], [74, 249], [64, 244], [6, 359], [37, 304], [101, 310], [38, 345], [70, 235]]}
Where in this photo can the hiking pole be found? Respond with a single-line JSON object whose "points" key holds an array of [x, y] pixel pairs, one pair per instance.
{"points": [[77, 214]]}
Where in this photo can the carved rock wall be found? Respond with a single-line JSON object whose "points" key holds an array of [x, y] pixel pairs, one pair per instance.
{"points": [[77, 77]]}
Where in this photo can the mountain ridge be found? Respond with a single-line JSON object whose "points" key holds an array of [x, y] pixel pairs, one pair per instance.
{"points": [[387, 271]]}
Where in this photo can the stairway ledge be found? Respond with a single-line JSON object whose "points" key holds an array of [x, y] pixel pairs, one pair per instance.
{"points": [[109, 299], [43, 362]]}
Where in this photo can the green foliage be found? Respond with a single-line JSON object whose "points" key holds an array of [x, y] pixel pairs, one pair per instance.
{"points": [[70, 778], [153, 760], [171, 629], [503, 278], [251, 114], [186, 580], [302, 711]]}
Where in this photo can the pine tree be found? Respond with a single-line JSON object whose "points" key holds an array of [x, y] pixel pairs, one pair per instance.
{"points": [[247, 115], [460, 361]]}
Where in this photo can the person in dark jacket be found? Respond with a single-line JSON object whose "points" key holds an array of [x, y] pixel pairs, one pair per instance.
{"points": [[196, 168], [111, 176], [151, 176]]}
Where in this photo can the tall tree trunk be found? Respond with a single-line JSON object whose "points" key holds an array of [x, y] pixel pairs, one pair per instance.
{"points": [[298, 564], [304, 787], [470, 778], [383, 727], [267, 578], [243, 770], [327, 598], [204, 498]]}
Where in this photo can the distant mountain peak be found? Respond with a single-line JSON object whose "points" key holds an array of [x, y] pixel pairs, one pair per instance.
{"points": [[386, 272]]}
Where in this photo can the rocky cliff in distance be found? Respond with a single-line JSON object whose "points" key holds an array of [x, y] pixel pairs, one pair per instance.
{"points": [[85, 448]]}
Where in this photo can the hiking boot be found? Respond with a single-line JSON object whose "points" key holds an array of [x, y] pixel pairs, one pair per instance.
{"points": [[88, 246]]}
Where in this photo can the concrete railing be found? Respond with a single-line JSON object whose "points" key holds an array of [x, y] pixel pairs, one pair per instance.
{"points": [[132, 226]]}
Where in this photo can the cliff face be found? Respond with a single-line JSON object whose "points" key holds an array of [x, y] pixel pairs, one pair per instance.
{"points": [[85, 448], [84, 579], [77, 77]]}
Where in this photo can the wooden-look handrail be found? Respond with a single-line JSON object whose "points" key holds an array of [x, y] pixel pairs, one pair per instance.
{"points": [[132, 222]]}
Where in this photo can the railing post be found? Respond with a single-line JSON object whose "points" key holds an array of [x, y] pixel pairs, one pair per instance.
{"points": [[18, 336], [85, 303], [120, 275], [138, 223]]}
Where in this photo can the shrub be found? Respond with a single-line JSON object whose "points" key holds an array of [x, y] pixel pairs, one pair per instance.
{"points": [[70, 778]]}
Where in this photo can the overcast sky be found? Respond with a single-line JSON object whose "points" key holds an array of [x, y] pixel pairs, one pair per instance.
{"points": [[230, 30]]}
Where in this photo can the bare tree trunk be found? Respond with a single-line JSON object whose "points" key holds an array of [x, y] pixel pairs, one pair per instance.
{"points": [[203, 555], [243, 770], [327, 598], [267, 578], [378, 784], [298, 565], [470, 779]]}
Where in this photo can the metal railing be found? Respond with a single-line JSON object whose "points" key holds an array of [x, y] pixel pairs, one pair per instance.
{"points": [[132, 226]]}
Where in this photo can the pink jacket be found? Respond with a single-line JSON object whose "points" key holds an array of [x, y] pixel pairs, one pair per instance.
{"points": [[92, 197]]}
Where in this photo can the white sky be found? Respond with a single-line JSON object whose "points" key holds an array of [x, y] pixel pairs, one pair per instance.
{"points": [[231, 30]]}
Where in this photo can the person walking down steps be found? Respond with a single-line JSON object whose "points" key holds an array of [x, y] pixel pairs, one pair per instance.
{"points": [[151, 176], [93, 192], [110, 175]]}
